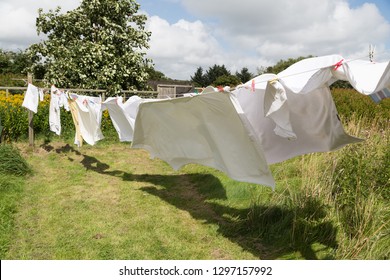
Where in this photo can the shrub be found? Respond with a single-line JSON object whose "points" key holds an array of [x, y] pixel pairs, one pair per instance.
{"points": [[11, 161], [351, 104], [14, 119]]}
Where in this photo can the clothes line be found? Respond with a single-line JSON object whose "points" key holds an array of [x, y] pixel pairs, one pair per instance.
{"points": [[334, 65], [47, 90]]}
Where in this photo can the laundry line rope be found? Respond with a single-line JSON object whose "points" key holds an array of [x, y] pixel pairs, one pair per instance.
{"points": [[338, 64]]}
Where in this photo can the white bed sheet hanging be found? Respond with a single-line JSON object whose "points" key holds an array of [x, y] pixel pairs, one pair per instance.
{"points": [[123, 115], [208, 129], [293, 113]]}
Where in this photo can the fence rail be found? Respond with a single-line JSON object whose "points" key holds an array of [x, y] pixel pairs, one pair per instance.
{"points": [[141, 93]]}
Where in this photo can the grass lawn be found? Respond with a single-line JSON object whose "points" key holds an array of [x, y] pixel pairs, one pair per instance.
{"points": [[112, 202]]}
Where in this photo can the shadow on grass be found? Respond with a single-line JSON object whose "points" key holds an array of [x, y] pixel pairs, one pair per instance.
{"points": [[90, 163], [268, 232]]}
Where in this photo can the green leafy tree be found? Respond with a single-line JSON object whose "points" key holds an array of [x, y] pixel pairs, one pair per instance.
{"points": [[20, 62], [214, 72], [218, 75], [199, 79], [14, 62], [227, 80], [4, 62], [156, 75], [100, 44], [244, 75]]}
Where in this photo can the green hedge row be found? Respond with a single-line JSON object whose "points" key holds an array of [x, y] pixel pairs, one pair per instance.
{"points": [[14, 120]]}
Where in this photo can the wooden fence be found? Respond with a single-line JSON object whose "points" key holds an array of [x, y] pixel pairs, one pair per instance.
{"points": [[123, 93], [172, 91]]}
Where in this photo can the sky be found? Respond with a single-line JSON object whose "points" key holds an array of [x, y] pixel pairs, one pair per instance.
{"points": [[187, 34]]}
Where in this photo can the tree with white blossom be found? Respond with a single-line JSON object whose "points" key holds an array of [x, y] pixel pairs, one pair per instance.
{"points": [[100, 44]]}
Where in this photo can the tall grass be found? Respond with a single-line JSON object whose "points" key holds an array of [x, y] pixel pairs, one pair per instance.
{"points": [[13, 168], [11, 161], [339, 205], [360, 192]]}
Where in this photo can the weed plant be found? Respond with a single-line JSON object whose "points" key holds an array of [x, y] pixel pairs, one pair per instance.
{"points": [[11, 162]]}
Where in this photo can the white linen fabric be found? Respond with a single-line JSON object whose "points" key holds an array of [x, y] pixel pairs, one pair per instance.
{"points": [[123, 115], [312, 118], [54, 112], [293, 113], [32, 97], [57, 100], [89, 118], [208, 129]]}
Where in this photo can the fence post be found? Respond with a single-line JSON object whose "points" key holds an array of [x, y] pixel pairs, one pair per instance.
{"points": [[30, 118]]}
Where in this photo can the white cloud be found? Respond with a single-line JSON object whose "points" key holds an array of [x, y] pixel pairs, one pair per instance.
{"points": [[182, 46], [251, 34], [280, 29], [179, 49], [17, 21], [238, 34]]}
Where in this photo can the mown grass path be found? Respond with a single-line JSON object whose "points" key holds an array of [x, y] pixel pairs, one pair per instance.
{"points": [[113, 202]]}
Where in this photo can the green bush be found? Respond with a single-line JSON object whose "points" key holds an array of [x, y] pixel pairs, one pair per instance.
{"points": [[14, 119], [11, 161], [351, 104]]}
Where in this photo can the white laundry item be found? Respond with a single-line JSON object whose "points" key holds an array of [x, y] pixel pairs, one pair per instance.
{"points": [[54, 111], [310, 75], [367, 77], [41, 95], [274, 102], [208, 129], [123, 115], [297, 104], [58, 99], [31, 98], [380, 95], [312, 117], [130, 108], [118, 118], [63, 101], [89, 118], [306, 75]]}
